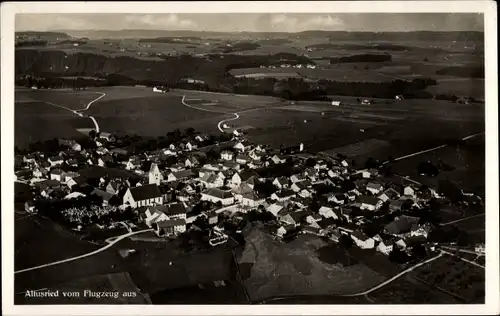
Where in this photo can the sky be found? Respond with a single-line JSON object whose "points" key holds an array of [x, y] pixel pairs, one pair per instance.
{"points": [[255, 22]]}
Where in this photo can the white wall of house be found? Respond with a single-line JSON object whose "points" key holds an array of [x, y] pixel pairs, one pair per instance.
{"points": [[364, 244], [385, 249], [206, 197]]}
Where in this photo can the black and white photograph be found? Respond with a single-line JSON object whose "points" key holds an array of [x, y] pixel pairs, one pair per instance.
{"points": [[251, 157]]}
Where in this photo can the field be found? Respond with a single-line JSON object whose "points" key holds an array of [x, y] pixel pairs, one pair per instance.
{"points": [[468, 161], [455, 276], [277, 269], [322, 127], [46, 247]]}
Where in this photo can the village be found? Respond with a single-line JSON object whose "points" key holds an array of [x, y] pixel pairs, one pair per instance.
{"points": [[188, 186]]}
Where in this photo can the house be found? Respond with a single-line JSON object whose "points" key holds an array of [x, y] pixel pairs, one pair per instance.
{"points": [[401, 244], [191, 162], [327, 212], [246, 176], [351, 196], [243, 159], [278, 159], [409, 191], [171, 211], [420, 230], [74, 181], [336, 198], [335, 235], [374, 188], [389, 194], [346, 214], [257, 155], [180, 175], [210, 180], [284, 230], [105, 160], [114, 186], [230, 165], [281, 183], [397, 205], [212, 217], [107, 198], [176, 167], [301, 185], [239, 147], [226, 155], [155, 175], [362, 241], [293, 218], [57, 174], [297, 178], [480, 248], [133, 163], [275, 208], [239, 191], [29, 206], [143, 196], [252, 199], [400, 225], [282, 195], [313, 218], [215, 195], [385, 246], [366, 202], [56, 160], [170, 227], [107, 136], [190, 146]]}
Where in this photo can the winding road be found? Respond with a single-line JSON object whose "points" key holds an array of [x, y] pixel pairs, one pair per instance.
{"points": [[111, 244], [364, 292], [78, 112]]}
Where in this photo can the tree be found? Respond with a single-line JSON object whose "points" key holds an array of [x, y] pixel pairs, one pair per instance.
{"points": [[398, 256], [189, 131], [310, 162], [346, 241], [428, 169]]}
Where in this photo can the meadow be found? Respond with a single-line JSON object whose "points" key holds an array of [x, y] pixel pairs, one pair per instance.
{"points": [[294, 269]]}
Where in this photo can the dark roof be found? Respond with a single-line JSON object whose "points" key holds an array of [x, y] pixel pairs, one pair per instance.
{"points": [[183, 174], [145, 192], [246, 175], [360, 235], [56, 158], [366, 199], [297, 216], [400, 225], [218, 193], [106, 196], [254, 196], [304, 184], [285, 193], [172, 209], [171, 223]]}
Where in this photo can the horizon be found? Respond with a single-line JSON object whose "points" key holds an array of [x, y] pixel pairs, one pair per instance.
{"points": [[254, 22]]}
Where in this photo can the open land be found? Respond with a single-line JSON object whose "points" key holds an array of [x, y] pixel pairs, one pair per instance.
{"points": [[294, 268]]}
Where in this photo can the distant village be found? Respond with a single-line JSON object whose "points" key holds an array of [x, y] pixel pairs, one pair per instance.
{"points": [[188, 186]]}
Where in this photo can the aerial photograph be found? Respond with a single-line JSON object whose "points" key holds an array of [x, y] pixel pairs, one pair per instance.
{"points": [[249, 158]]}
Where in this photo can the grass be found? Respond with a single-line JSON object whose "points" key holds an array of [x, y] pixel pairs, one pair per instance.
{"points": [[38, 121], [467, 159], [294, 268], [150, 266], [456, 276], [39, 241]]}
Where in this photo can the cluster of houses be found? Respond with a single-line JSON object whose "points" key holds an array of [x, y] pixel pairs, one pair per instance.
{"points": [[314, 199]]}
